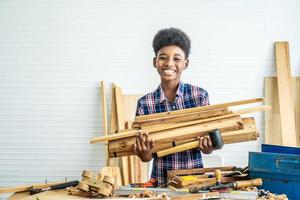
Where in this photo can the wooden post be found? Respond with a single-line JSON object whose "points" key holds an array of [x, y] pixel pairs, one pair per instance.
{"points": [[286, 103]]}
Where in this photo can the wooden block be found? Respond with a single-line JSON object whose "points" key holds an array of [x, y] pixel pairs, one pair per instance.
{"points": [[286, 103], [113, 172]]}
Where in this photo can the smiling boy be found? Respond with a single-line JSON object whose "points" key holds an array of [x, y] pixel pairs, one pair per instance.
{"points": [[171, 47]]}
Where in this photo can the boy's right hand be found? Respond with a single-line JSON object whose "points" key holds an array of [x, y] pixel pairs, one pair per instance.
{"points": [[143, 147]]}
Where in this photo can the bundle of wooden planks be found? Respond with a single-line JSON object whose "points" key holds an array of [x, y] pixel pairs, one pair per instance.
{"points": [[178, 130]]}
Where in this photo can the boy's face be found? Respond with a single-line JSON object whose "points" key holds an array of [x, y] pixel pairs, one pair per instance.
{"points": [[170, 63]]}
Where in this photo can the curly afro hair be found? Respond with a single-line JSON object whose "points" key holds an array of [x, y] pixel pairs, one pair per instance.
{"points": [[171, 36]]}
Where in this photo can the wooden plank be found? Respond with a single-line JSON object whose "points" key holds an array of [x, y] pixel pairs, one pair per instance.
{"points": [[104, 117], [286, 103], [197, 109], [272, 117], [133, 132], [182, 118], [114, 126], [121, 125]]}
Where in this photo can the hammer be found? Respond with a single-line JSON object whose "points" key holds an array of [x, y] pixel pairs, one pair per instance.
{"points": [[214, 135], [53, 187]]}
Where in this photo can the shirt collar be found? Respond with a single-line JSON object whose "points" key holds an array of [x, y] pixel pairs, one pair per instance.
{"points": [[160, 97]]}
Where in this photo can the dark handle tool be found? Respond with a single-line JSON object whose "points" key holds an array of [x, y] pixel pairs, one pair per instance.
{"points": [[216, 139], [54, 187], [235, 185]]}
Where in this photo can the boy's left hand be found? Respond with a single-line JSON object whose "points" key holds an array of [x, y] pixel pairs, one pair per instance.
{"points": [[205, 144]]}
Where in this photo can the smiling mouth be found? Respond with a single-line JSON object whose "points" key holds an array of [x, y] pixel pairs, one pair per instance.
{"points": [[169, 72]]}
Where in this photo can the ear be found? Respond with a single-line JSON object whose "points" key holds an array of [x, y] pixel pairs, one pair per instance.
{"points": [[154, 62], [187, 61]]}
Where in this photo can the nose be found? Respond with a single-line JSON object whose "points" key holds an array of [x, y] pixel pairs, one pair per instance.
{"points": [[169, 62]]}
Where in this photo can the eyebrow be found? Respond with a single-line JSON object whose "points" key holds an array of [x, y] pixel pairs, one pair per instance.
{"points": [[177, 54]]}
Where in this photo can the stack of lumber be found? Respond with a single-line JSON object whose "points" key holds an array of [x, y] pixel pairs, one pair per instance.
{"points": [[131, 168], [182, 127]]}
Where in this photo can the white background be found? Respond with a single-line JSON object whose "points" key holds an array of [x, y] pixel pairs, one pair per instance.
{"points": [[53, 53]]}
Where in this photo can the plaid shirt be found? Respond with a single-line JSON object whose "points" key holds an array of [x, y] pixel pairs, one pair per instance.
{"points": [[187, 96]]}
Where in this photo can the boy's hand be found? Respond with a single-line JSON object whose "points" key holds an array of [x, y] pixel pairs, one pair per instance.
{"points": [[205, 144], [143, 147]]}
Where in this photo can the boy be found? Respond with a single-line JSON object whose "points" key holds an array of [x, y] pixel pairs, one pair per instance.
{"points": [[172, 48]]}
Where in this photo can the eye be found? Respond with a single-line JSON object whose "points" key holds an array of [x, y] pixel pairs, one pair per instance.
{"points": [[177, 59], [162, 58]]}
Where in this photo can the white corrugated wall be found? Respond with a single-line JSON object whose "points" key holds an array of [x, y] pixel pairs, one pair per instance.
{"points": [[54, 52]]}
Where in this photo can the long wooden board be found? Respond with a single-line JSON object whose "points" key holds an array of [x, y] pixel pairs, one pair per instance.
{"points": [[121, 125], [286, 103], [104, 117]]}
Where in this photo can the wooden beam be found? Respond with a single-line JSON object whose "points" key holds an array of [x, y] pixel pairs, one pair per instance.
{"points": [[286, 103], [196, 109], [104, 117], [181, 118], [121, 125]]}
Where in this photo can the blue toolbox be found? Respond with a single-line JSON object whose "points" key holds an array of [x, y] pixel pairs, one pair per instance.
{"points": [[279, 167]]}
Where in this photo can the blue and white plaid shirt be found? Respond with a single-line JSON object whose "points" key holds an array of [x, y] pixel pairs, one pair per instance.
{"points": [[187, 96]]}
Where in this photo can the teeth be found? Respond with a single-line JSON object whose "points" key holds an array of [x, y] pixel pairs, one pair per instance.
{"points": [[169, 72]]}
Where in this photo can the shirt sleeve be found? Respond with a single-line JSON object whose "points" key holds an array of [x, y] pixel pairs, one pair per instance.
{"points": [[139, 109], [205, 99]]}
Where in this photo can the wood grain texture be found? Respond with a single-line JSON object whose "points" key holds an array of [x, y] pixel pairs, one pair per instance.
{"points": [[138, 170], [121, 125], [286, 103], [196, 109], [272, 117]]}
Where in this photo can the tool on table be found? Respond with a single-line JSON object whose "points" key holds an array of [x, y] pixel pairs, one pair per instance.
{"points": [[234, 185], [53, 187], [214, 135], [151, 183]]}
